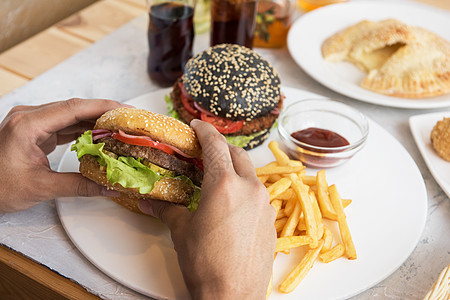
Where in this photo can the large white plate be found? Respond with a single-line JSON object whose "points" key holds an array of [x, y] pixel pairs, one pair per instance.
{"points": [[386, 220], [310, 30], [421, 126]]}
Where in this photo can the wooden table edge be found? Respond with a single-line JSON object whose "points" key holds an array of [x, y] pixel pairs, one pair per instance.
{"points": [[21, 277]]}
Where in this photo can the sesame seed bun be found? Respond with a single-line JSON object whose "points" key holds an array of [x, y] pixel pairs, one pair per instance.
{"points": [[158, 127], [232, 82], [167, 189]]}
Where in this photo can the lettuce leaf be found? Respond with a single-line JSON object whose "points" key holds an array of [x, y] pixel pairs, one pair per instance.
{"points": [[127, 171], [171, 111]]}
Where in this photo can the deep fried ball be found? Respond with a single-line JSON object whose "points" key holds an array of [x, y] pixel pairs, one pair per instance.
{"points": [[440, 138]]}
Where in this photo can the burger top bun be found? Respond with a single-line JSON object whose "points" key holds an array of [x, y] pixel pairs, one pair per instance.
{"points": [[232, 82], [159, 128]]}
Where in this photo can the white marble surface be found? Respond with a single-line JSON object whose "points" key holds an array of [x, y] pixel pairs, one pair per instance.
{"points": [[115, 68]]}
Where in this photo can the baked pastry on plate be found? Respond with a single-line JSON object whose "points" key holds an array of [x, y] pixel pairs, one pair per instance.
{"points": [[401, 60]]}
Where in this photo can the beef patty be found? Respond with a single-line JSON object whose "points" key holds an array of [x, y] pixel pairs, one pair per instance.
{"points": [[249, 127], [155, 156]]}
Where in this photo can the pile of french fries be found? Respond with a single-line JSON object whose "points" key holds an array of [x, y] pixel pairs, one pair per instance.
{"points": [[302, 202]]}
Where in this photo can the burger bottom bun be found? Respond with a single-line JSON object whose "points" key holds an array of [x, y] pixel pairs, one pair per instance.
{"points": [[167, 189], [257, 140]]}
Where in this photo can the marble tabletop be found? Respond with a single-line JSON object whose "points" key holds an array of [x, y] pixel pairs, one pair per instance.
{"points": [[115, 68]]}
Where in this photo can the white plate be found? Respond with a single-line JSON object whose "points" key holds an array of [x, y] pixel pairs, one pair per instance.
{"points": [[310, 30], [421, 126], [386, 220]]}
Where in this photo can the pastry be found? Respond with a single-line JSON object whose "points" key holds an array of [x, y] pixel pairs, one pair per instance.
{"points": [[401, 60]]}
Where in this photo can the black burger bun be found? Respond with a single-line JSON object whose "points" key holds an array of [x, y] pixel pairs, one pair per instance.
{"points": [[232, 82]]}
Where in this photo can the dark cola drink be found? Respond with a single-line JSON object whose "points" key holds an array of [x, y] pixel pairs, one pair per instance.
{"points": [[170, 38], [233, 22]]}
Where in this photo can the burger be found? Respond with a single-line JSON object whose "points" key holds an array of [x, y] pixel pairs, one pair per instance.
{"points": [[143, 155], [234, 89]]}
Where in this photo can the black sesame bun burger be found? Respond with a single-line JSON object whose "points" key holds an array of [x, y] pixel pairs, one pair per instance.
{"points": [[233, 88], [143, 155]]}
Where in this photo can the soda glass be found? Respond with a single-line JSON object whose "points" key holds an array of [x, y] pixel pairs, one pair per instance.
{"points": [[233, 22], [170, 39]]}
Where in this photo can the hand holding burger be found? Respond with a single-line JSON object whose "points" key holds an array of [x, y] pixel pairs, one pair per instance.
{"points": [[225, 248], [28, 134], [143, 155]]}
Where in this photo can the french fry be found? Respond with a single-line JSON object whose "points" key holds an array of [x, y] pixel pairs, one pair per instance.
{"points": [[327, 239], [263, 179], [279, 224], [322, 195], [286, 195], [281, 214], [350, 250], [346, 202], [270, 170], [290, 205], [278, 187], [292, 221], [274, 178], [299, 272], [269, 287], [289, 242], [301, 224], [332, 254], [309, 180], [301, 191], [317, 215], [276, 204], [279, 155]]}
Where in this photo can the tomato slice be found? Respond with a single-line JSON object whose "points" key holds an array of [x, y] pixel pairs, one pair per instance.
{"points": [[188, 102], [140, 141], [222, 125]]}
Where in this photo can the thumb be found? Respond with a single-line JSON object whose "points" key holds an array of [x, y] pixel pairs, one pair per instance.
{"points": [[75, 184], [169, 213]]}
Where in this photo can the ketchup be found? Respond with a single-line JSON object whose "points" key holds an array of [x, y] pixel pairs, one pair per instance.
{"points": [[320, 137]]}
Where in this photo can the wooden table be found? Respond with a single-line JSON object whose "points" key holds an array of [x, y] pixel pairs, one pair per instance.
{"points": [[28, 60]]}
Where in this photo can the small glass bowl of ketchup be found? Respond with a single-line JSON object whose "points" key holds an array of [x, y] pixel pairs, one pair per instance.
{"points": [[322, 133]]}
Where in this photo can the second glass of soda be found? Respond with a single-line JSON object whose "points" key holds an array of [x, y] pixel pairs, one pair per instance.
{"points": [[233, 22], [170, 38]]}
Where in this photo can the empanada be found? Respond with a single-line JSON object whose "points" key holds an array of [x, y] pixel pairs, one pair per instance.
{"points": [[401, 60]]}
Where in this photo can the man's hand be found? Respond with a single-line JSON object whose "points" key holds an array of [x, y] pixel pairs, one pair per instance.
{"points": [[226, 247], [28, 134]]}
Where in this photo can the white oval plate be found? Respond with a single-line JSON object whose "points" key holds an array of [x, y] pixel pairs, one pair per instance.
{"points": [[421, 126], [386, 220], [310, 30]]}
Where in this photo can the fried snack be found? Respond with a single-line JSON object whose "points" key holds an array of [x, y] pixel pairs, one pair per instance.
{"points": [[322, 196], [327, 239], [302, 202], [296, 276], [350, 250], [332, 254], [269, 170], [289, 242], [440, 138]]}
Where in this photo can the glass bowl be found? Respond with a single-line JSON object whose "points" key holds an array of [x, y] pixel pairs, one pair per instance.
{"points": [[325, 114]]}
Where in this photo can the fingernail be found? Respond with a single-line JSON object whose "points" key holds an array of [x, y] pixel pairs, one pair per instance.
{"points": [[194, 121], [110, 193], [145, 207], [128, 105]]}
